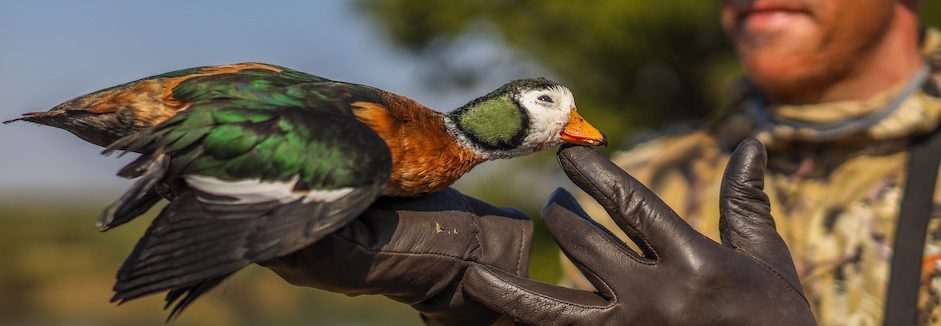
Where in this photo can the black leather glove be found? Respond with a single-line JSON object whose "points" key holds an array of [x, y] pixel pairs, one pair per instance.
{"points": [[415, 251], [682, 278]]}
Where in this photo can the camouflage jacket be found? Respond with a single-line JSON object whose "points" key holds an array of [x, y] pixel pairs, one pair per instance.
{"points": [[836, 201]]}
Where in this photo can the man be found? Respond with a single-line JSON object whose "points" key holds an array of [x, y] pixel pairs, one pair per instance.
{"points": [[838, 91]]}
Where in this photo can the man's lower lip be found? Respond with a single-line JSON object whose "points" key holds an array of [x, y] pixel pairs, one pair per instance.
{"points": [[771, 20]]}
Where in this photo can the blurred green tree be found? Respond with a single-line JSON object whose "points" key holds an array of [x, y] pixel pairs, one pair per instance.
{"points": [[930, 13], [631, 63]]}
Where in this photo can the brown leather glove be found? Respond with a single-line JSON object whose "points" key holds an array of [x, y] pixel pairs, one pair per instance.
{"points": [[682, 278], [415, 251]]}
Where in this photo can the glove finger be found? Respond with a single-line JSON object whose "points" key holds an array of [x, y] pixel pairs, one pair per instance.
{"points": [[591, 247], [529, 301], [646, 219], [745, 221]]}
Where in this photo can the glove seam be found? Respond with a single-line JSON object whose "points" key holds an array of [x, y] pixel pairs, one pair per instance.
{"points": [[776, 274], [519, 253], [611, 303], [476, 252], [633, 229], [366, 249]]}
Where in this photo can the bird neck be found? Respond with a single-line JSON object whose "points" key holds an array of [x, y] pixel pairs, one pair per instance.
{"points": [[427, 155]]}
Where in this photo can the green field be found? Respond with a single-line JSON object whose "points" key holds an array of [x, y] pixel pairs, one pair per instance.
{"points": [[58, 269]]}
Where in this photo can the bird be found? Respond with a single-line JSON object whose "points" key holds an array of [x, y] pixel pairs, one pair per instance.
{"points": [[259, 160]]}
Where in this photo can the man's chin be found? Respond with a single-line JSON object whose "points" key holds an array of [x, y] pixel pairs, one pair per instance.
{"points": [[780, 73], [788, 55]]}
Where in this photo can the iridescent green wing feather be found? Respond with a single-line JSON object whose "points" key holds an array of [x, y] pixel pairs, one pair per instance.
{"points": [[271, 162]]}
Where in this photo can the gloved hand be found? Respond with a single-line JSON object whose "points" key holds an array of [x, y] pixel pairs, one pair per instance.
{"points": [[682, 278], [415, 251]]}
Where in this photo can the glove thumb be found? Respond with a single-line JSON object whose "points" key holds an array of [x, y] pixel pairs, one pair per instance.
{"points": [[745, 221]]}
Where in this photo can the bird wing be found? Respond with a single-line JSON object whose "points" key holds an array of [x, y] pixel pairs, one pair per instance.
{"points": [[269, 166], [104, 116]]}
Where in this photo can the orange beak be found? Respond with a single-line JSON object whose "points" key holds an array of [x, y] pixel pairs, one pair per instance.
{"points": [[579, 131]]}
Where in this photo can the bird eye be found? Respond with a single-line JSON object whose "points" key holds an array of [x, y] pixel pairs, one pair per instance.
{"points": [[545, 98]]}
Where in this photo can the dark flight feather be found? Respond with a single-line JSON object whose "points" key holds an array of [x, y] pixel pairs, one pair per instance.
{"points": [[186, 295], [141, 196], [192, 245]]}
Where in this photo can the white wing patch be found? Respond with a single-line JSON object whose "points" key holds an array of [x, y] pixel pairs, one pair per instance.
{"points": [[254, 191]]}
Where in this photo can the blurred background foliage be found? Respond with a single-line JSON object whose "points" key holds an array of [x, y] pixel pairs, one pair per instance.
{"points": [[631, 64], [635, 66]]}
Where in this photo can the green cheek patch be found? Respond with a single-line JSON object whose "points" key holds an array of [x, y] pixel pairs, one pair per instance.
{"points": [[493, 122]]}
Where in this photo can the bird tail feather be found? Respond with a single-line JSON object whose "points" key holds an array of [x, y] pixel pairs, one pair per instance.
{"points": [[143, 195], [35, 117], [182, 297]]}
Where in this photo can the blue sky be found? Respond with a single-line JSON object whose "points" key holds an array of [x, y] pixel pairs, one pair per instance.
{"points": [[55, 50]]}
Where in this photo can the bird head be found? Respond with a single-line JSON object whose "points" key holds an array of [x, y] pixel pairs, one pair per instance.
{"points": [[522, 117]]}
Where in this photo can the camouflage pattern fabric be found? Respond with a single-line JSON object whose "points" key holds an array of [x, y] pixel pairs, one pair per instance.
{"points": [[836, 202]]}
